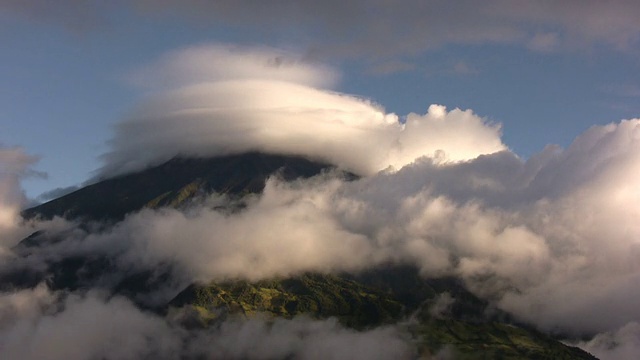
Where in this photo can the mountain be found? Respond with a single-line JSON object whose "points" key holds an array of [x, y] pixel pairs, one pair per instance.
{"points": [[463, 324], [175, 182]]}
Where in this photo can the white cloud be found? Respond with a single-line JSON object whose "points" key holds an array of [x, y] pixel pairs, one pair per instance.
{"points": [[622, 344], [281, 109]]}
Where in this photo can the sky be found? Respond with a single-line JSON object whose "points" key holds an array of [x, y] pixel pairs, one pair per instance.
{"points": [[546, 71]]}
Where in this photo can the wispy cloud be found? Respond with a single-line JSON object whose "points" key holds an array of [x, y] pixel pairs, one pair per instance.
{"points": [[364, 28]]}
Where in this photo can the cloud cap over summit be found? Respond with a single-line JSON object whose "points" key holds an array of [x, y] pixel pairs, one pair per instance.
{"points": [[272, 101]]}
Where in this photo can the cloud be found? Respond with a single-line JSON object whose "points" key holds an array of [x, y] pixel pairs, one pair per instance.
{"points": [[218, 63], [582, 23], [84, 327], [381, 28], [78, 17], [39, 324], [268, 101], [545, 42], [441, 307], [378, 27], [15, 165], [552, 239], [306, 339], [623, 90], [462, 68], [622, 344]]}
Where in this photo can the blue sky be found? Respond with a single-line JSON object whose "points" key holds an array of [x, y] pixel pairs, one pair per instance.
{"points": [[545, 70]]}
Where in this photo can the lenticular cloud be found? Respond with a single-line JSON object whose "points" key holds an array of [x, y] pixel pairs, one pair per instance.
{"points": [[215, 100]]}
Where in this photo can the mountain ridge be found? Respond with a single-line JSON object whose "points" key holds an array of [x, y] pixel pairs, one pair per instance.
{"points": [[157, 186]]}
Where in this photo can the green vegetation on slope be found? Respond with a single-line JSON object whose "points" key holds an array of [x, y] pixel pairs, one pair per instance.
{"points": [[462, 328], [318, 296]]}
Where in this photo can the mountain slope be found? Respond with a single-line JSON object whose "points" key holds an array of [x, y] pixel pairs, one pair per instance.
{"points": [[173, 183]]}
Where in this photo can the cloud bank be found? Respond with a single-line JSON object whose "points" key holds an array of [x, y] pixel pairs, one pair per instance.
{"points": [[217, 99], [553, 240], [39, 324]]}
